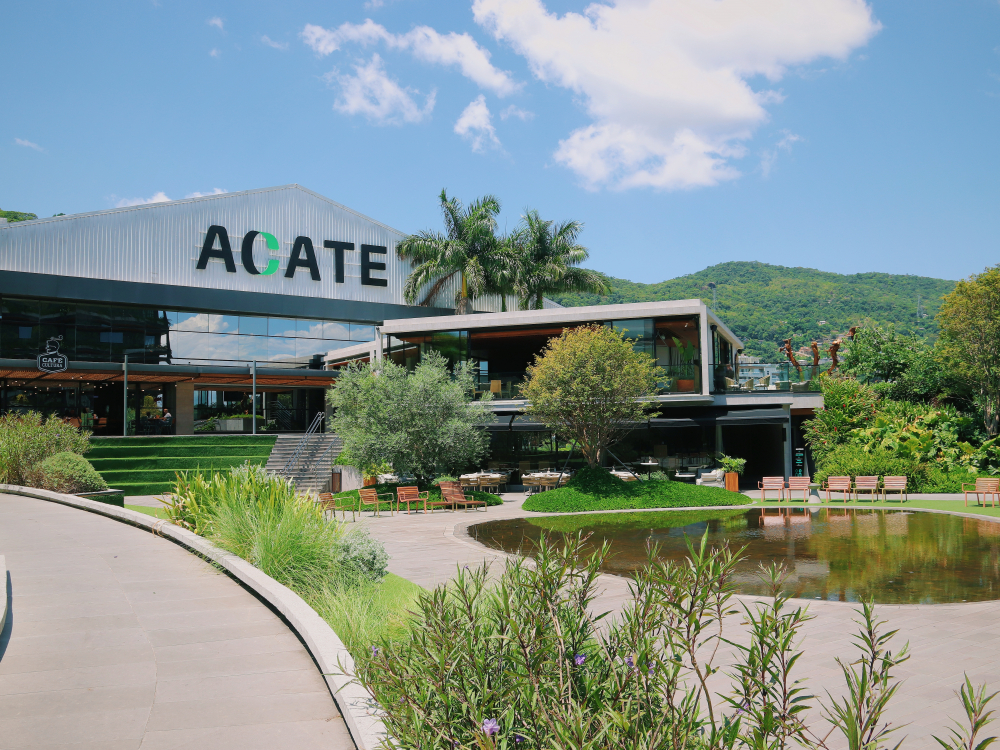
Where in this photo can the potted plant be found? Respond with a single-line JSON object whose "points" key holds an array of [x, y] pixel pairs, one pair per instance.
{"points": [[686, 371], [372, 473], [733, 467]]}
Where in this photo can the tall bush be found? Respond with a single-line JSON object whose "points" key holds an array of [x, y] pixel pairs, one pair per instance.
{"points": [[70, 473], [28, 439], [848, 405], [855, 461]]}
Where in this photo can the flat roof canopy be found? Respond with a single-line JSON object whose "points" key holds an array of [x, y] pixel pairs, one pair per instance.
{"points": [[12, 369]]}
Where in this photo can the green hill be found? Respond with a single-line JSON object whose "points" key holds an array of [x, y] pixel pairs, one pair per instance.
{"points": [[765, 304]]}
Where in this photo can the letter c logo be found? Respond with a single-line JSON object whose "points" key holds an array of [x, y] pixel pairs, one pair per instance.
{"points": [[246, 251]]}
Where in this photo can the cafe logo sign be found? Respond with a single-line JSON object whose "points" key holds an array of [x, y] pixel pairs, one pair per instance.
{"points": [[51, 360], [218, 247]]}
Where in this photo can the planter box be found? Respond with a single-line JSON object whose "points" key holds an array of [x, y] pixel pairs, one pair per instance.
{"points": [[230, 425], [108, 497], [732, 481], [685, 386]]}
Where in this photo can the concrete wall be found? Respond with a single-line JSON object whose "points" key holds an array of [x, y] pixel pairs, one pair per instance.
{"points": [[184, 416]]}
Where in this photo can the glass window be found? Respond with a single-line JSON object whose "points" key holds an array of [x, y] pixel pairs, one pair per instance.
{"points": [[333, 329], [22, 310], [281, 327], [362, 332], [309, 329], [112, 337], [189, 321], [15, 345], [280, 349], [223, 324], [253, 325], [96, 316], [253, 347]]}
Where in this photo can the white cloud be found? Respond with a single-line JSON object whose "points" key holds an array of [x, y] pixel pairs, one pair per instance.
{"points": [[214, 53], [159, 197], [424, 43], [215, 191], [665, 82], [28, 144], [374, 4], [271, 43], [769, 156], [517, 112], [370, 92], [216, 22], [476, 125]]}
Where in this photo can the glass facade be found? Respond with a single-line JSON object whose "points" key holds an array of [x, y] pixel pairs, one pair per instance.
{"points": [[105, 333]]}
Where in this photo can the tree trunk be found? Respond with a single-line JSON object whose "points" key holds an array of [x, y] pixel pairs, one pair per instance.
{"points": [[462, 307]]}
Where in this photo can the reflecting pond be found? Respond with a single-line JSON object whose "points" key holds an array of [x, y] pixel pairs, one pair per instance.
{"points": [[895, 556]]}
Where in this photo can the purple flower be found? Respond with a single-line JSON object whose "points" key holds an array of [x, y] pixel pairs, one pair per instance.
{"points": [[579, 659], [374, 651], [518, 739], [491, 727], [629, 662]]}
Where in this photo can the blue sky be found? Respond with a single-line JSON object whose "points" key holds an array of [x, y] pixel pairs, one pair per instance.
{"points": [[845, 136]]}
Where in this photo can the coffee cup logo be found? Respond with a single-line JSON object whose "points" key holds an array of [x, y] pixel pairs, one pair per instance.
{"points": [[51, 360]]}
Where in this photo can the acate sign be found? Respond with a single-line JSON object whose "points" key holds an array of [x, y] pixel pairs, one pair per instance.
{"points": [[303, 256], [52, 360]]}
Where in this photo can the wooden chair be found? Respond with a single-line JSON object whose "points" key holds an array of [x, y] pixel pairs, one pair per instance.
{"points": [[469, 484], [413, 496], [329, 503], [496, 388], [453, 495], [371, 497], [985, 487], [772, 483], [799, 484], [895, 484], [838, 484], [490, 485], [866, 484]]}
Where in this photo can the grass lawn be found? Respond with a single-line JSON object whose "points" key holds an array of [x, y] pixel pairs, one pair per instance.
{"points": [[598, 489], [154, 512]]}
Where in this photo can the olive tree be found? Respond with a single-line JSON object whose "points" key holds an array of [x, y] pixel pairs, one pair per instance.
{"points": [[591, 386], [970, 339], [422, 422]]}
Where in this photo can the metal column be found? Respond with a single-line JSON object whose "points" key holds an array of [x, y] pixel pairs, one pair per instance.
{"points": [[253, 400], [125, 405]]}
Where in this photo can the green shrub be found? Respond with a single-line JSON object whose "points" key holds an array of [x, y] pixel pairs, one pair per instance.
{"points": [[69, 473], [855, 461], [847, 406], [599, 489], [28, 439]]}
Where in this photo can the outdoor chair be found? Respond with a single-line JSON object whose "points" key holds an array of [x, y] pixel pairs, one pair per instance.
{"points": [[895, 484], [764, 383], [371, 497], [413, 496], [984, 487], [548, 483], [772, 483], [838, 484], [799, 484], [469, 484], [866, 484], [329, 503], [490, 485], [453, 495]]}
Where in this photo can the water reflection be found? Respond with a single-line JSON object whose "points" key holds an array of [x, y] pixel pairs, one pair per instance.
{"points": [[839, 554]]}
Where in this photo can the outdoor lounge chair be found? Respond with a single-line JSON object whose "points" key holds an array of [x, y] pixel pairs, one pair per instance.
{"points": [[452, 494], [838, 484], [772, 483], [985, 487], [896, 484], [371, 497], [799, 484], [866, 484]]}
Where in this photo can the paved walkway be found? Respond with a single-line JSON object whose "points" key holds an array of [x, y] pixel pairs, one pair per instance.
{"points": [[946, 639], [119, 639]]}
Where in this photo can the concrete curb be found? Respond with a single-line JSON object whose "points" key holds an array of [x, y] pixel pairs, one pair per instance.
{"points": [[3, 593], [355, 703]]}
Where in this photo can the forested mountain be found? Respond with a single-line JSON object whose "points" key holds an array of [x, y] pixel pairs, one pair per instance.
{"points": [[765, 304]]}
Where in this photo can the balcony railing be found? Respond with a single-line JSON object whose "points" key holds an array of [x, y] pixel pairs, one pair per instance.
{"points": [[768, 376]]}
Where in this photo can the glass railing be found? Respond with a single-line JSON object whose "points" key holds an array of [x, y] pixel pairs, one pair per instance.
{"points": [[765, 376], [502, 385]]}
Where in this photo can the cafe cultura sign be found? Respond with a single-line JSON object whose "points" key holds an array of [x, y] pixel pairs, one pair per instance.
{"points": [[51, 360], [303, 256]]}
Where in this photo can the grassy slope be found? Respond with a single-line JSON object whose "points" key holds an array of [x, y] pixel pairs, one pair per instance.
{"points": [[148, 466], [764, 304], [598, 489]]}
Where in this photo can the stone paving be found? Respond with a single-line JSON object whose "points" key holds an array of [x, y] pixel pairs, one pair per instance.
{"points": [[945, 639], [118, 639]]}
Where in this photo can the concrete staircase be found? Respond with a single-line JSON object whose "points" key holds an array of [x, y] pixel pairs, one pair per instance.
{"points": [[309, 472]]}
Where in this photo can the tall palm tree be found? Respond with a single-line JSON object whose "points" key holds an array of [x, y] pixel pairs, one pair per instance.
{"points": [[547, 254], [468, 248]]}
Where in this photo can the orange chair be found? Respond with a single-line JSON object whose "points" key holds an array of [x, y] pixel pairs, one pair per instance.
{"points": [[838, 484], [866, 484], [799, 484], [772, 483], [984, 487], [370, 497]]}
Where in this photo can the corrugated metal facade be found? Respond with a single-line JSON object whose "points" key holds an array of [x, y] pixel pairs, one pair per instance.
{"points": [[161, 243]]}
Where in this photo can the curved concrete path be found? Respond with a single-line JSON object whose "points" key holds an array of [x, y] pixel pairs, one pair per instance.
{"points": [[946, 640], [119, 639]]}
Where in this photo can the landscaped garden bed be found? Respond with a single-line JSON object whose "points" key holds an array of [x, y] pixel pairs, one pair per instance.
{"points": [[598, 489]]}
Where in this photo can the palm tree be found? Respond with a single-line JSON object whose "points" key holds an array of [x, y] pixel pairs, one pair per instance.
{"points": [[469, 247], [547, 254]]}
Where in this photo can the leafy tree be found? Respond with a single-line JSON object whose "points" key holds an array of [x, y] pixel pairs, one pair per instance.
{"points": [[848, 405], [468, 248], [591, 386], [546, 255], [13, 216], [880, 353], [422, 422], [970, 338]]}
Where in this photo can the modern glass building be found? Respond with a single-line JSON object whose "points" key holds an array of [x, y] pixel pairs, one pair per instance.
{"points": [[205, 298]]}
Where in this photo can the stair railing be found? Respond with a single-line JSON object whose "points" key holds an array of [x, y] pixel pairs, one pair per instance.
{"points": [[310, 467], [293, 461]]}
